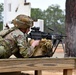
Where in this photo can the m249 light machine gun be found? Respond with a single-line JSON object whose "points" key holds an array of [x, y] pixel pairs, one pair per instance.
{"points": [[36, 34]]}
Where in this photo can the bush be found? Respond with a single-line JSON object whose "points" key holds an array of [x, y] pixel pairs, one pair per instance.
{"points": [[1, 26]]}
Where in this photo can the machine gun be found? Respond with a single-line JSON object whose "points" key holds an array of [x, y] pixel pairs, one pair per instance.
{"points": [[36, 34]]}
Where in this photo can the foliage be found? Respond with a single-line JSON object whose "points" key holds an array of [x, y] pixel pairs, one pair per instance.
{"points": [[53, 17], [1, 26], [36, 13], [1, 10], [1, 17]]}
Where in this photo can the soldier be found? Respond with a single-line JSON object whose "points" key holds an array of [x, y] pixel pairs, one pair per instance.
{"points": [[15, 42]]}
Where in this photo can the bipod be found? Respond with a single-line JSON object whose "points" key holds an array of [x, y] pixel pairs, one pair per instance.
{"points": [[58, 42]]}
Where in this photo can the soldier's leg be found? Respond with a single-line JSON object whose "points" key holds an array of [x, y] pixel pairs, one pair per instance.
{"points": [[4, 53]]}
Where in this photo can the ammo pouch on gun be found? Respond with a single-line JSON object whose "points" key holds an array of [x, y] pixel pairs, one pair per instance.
{"points": [[44, 49]]}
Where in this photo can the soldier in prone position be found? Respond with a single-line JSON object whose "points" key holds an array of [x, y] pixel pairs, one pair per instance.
{"points": [[16, 42]]}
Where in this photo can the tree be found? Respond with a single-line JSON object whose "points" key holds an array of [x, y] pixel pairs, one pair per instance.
{"points": [[1, 17], [54, 18], [70, 46], [1, 10], [36, 13]]}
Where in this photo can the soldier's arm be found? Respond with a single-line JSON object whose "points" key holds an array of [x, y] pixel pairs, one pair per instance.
{"points": [[28, 50]]}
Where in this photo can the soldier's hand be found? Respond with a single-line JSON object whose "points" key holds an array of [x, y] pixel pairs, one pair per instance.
{"points": [[35, 43]]}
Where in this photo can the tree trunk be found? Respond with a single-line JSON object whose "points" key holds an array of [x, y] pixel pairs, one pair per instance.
{"points": [[70, 45]]}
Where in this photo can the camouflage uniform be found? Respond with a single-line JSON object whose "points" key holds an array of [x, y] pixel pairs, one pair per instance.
{"points": [[16, 41], [18, 44]]}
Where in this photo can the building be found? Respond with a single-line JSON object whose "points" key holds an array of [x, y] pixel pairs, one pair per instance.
{"points": [[12, 8]]}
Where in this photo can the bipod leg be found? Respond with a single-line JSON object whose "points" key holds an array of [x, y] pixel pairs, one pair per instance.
{"points": [[63, 46], [56, 46]]}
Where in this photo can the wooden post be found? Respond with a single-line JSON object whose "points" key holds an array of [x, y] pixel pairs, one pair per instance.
{"points": [[67, 72], [38, 72]]}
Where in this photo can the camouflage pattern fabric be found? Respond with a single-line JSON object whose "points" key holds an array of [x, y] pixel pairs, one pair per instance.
{"points": [[22, 21], [15, 43], [4, 49]]}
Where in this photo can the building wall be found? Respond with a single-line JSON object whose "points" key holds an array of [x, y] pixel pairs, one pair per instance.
{"points": [[12, 8], [39, 23]]}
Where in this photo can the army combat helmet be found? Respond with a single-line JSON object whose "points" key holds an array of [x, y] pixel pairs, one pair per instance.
{"points": [[22, 21]]}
